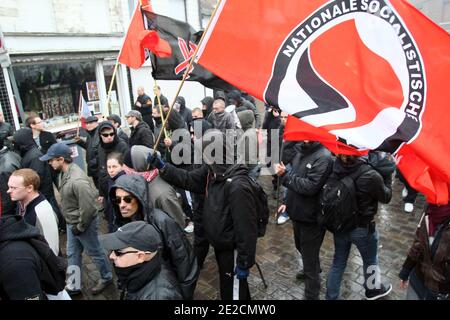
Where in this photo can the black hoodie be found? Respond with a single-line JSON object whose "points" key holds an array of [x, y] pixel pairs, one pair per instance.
{"points": [[24, 142], [208, 102], [185, 112], [177, 249], [117, 145], [20, 265]]}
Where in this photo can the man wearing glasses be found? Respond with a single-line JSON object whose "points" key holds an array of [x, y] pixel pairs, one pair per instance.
{"points": [[135, 251], [79, 207]]}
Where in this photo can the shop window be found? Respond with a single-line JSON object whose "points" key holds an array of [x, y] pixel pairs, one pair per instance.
{"points": [[53, 90]]}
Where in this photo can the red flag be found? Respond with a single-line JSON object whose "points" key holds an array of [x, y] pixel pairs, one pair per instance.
{"points": [[358, 74], [138, 39]]}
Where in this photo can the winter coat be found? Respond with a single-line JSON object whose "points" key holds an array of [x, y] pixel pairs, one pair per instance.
{"points": [[310, 169], [370, 189], [141, 135], [229, 215], [164, 286], [20, 264], [118, 145], [247, 105], [428, 266], [6, 130], [78, 197], [145, 109], [221, 121], [9, 160], [177, 248], [122, 135], [7, 207], [30, 153], [91, 147], [184, 112], [161, 194]]}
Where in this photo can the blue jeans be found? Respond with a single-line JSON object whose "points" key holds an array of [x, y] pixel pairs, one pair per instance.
{"points": [[367, 245], [88, 240]]}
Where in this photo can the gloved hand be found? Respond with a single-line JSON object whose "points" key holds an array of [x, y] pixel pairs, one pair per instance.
{"points": [[76, 231], [155, 161], [241, 274]]}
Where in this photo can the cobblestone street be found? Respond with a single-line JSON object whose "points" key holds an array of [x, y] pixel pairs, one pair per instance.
{"points": [[278, 259]]}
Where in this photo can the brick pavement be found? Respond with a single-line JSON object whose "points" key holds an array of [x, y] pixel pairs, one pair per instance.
{"points": [[276, 254]]}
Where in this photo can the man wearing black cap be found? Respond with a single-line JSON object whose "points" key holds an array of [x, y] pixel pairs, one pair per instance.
{"points": [[80, 208], [117, 122], [90, 144], [219, 118], [135, 251], [140, 131]]}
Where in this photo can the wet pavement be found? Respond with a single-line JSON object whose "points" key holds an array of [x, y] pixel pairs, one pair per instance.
{"points": [[278, 259]]}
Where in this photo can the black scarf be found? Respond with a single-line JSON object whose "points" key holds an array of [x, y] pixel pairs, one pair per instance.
{"points": [[135, 277]]}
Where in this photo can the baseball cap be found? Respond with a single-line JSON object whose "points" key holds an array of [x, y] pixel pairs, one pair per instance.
{"points": [[137, 234], [91, 119], [57, 150], [134, 113], [115, 118]]}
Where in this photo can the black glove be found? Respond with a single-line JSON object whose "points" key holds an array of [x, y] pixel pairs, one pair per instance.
{"points": [[155, 161]]}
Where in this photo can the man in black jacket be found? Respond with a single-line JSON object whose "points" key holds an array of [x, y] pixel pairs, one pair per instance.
{"points": [[140, 131], [90, 144], [371, 188], [143, 104], [310, 169], [109, 142], [229, 214], [185, 113], [43, 139], [129, 197]]}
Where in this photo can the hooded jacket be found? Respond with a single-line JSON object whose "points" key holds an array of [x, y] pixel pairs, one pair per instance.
{"points": [[141, 135], [222, 121], [311, 167], [208, 102], [30, 153], [20, 264], [117, 145], [177, 250], [185, 112], [161, 194], [229, 215], [145, 109]]}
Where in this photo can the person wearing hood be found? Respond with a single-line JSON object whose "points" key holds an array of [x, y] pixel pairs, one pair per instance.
{"points": [[186, 113], [23, 273], [371, 187], [91, 144], [129, 195], [141, 271], [23, 140], [207, 106], [80, 208], [304, 180], [219, 118], [247, 143], [9, 160], [161, 194], [235, 98], [426, 269], [140, 131], [229, 214]]}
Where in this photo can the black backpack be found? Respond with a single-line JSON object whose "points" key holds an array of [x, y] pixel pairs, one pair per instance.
{"points": [[262, 205], [339, 208]]}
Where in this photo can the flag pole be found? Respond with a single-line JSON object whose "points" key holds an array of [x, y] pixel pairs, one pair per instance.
{"points": [[185, 75], [79, 115]]}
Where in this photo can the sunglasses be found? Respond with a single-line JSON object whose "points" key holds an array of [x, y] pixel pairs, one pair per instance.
{"points": [[108, 134], [127, 199], [121, 253]]}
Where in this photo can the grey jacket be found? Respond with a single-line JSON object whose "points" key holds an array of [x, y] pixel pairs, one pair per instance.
{"points": [[78, 197], [161, 194]]}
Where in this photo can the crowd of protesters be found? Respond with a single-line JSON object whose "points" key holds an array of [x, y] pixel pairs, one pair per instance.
{"points": [[152, 196]]}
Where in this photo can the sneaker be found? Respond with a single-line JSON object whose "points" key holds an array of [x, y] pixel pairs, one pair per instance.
{"points": [[283, 218], [189, 228], [378, 293], [101, 286], [404, 192], [409, 207]]}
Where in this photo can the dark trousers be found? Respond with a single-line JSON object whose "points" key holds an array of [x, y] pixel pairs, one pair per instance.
{"points": [[201, 244], [308, 240], [225, 262], [412, 193]]}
